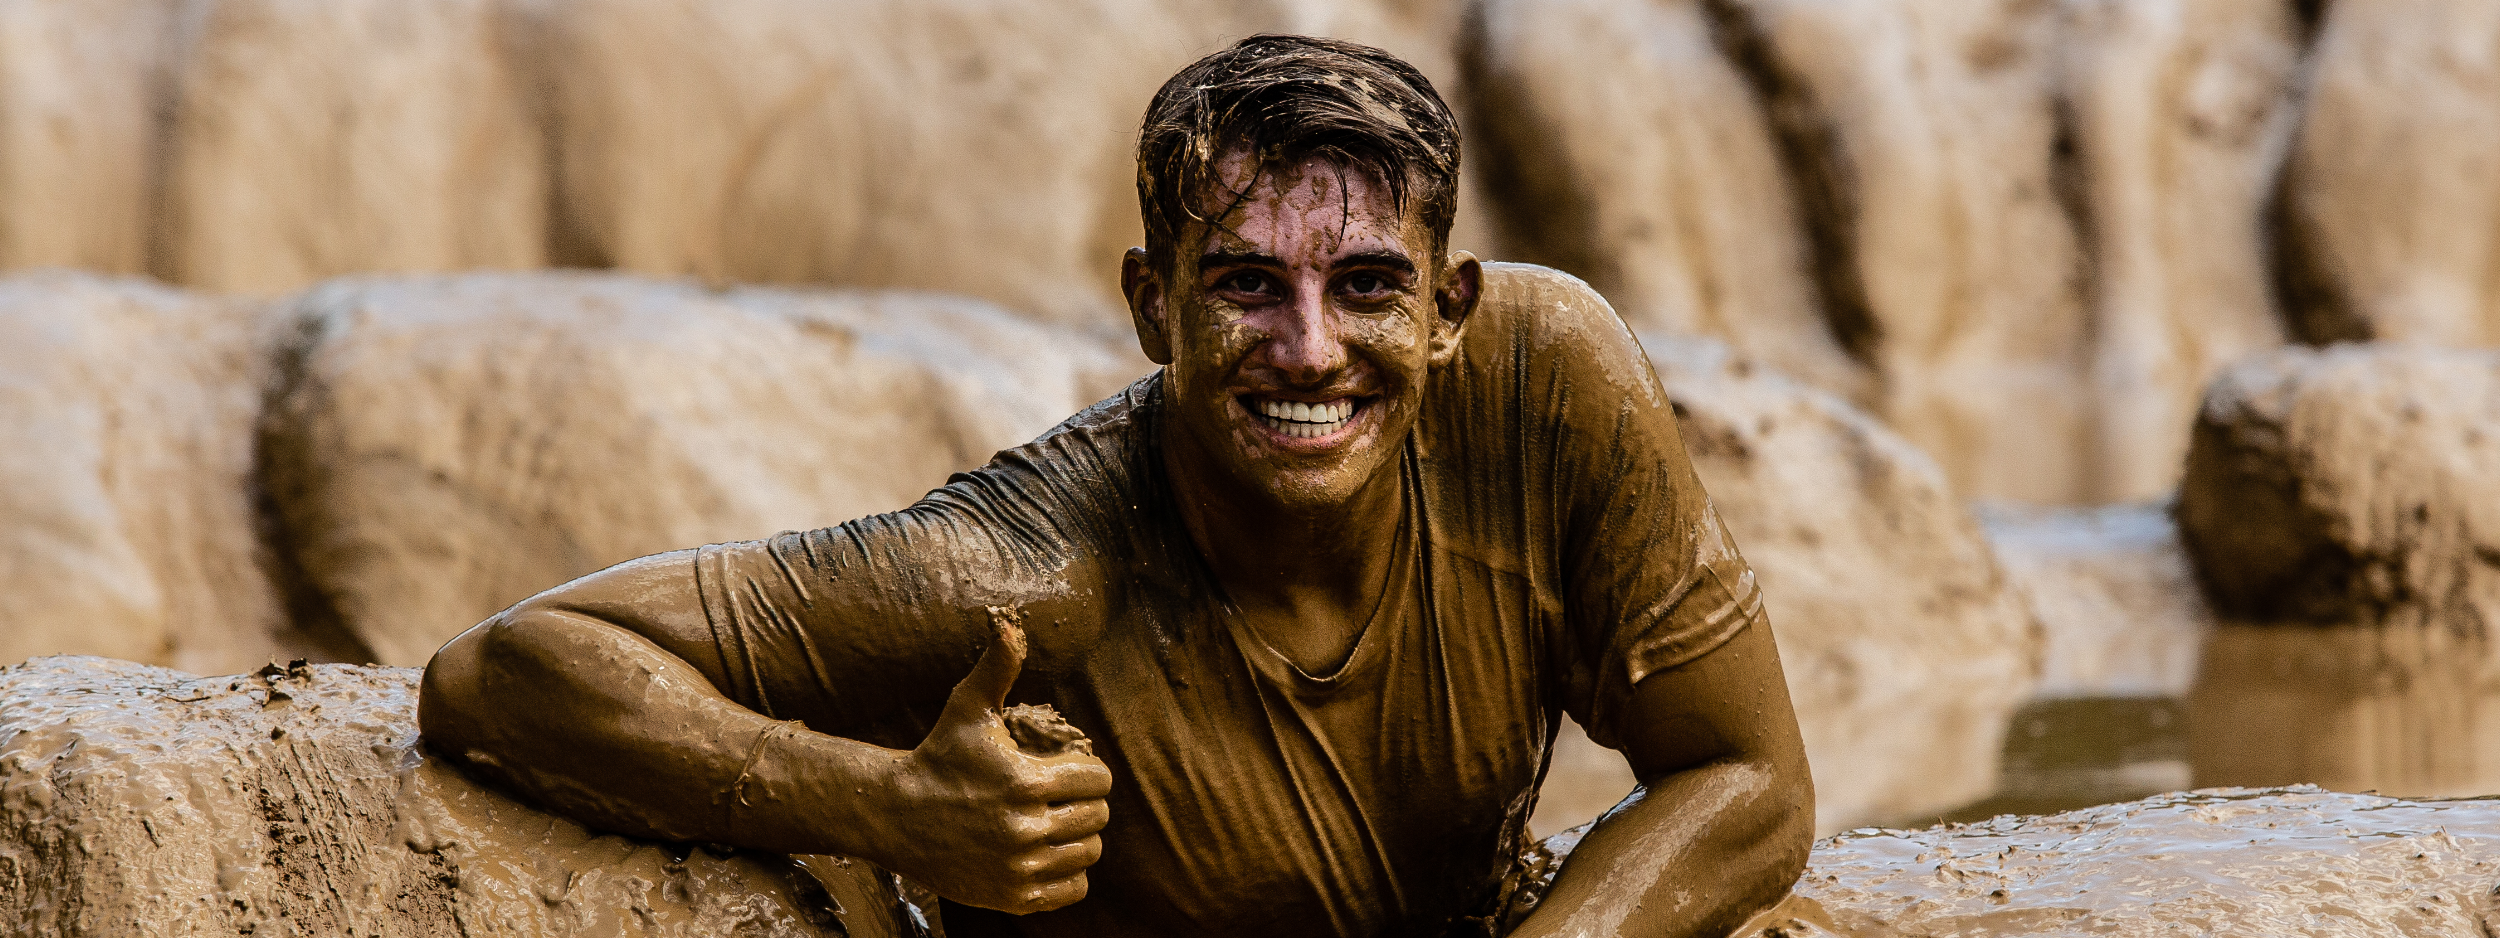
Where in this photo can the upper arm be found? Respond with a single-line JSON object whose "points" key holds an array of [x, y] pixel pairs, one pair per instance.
{"points": [[652, 597], [1729, 704]]}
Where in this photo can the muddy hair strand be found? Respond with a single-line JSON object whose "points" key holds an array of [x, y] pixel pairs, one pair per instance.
{"points": [[1282, 100]]}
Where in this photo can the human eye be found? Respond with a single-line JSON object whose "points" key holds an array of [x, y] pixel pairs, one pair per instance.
{"points": [[1247, 285], [1368, 285]]}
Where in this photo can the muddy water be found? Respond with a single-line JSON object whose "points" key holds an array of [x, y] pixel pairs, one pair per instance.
{"points": [[2400, 710]]}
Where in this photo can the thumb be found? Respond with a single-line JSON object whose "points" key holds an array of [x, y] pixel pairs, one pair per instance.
{"points": [[985, 689]]}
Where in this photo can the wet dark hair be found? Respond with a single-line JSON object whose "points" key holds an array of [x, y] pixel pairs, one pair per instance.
{"points": [[1284, 100]]}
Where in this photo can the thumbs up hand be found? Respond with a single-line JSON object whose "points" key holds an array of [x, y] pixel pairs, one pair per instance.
{"points": [[987, 824]]}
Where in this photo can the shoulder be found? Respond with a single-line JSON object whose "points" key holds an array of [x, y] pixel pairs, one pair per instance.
{"points": [[1538, 334], [1059, 520], [1096, 456]]}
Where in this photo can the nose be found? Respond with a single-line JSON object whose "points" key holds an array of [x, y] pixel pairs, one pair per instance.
{"points": [[1303, 345]]}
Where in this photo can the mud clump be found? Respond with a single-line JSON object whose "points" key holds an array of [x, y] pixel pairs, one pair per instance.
{"points": [[1039, 730]]}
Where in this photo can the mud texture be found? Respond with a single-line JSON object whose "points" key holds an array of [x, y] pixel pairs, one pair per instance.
{"points": [[2283, 862], [296, 800], [1905, 645], [440, 448]]}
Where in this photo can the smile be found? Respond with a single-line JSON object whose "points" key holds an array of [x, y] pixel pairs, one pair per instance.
{"points": [[1303, 420]]}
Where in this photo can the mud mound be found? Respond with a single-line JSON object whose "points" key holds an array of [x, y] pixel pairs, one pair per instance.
{"points": [[2390, 198], [1638, 157], [1946, 254], [1906, 648], [442, 448], [2355, 484], [311, 140], [2344, 505], [141, 800], [2297, 861], [126, 499]]}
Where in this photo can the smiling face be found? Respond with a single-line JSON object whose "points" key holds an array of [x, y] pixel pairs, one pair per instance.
{"points": [[1299, 330]]}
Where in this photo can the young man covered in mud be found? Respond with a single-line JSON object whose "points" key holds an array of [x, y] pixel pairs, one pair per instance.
{"points": [[1318, 592]]}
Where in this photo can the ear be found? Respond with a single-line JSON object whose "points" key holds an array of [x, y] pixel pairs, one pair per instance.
{"points": [[1145, 305], [1462, 281]]}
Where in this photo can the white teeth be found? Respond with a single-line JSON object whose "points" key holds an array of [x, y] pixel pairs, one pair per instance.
{"points": [[1302, 420]]}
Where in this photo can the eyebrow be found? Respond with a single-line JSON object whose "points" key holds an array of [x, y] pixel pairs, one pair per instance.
{"points": [[1389, 259], [1225, 256]]}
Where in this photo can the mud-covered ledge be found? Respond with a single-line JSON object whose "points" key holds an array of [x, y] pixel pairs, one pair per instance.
{"points": [[142, 800], [138, 800]]}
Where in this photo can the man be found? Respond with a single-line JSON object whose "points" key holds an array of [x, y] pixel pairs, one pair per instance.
{"points": [[1318, 592]]}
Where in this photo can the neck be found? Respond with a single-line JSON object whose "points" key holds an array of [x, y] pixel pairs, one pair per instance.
{"points": [[1307, 576]]}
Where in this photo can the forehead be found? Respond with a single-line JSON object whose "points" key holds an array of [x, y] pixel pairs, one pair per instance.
{"points": [[1316, 203]]}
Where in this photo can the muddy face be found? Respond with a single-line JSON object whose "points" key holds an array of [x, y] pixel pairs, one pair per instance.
{"points": [[1300, 328]]}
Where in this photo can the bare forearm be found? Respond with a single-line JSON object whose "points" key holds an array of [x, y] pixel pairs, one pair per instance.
{"points": [[601, 725], [1691, 855]]}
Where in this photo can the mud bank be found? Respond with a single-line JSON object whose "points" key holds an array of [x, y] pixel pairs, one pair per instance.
{"points": [[142, 800]]}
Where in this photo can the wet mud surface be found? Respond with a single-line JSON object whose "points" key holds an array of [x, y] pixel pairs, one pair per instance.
{"points": [[2280, 862]]}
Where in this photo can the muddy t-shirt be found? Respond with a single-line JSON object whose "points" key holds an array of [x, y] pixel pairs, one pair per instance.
{"points": [[1554, 549]]}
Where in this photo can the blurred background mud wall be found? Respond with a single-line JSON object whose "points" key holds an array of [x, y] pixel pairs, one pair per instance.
{"points": [[2025, 232], [330, 326]]}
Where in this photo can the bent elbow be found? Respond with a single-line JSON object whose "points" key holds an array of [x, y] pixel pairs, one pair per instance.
{"points": [[454, 697]]}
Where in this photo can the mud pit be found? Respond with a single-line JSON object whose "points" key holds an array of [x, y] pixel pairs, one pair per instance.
{"points": [[137, 799]]}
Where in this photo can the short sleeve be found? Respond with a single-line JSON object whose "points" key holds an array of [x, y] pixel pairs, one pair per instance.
{"points": [[1657, 623]]}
